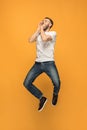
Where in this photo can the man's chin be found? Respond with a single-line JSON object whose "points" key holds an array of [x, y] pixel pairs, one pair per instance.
{"points": [[45, 28]]}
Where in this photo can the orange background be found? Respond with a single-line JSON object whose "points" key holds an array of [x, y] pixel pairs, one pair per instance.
{"points": [[18, 108]]}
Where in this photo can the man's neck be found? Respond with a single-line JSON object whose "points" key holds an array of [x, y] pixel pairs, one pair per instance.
{"points": [[47, 30]]}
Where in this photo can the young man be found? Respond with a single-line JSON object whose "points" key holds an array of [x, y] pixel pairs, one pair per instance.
{"points": [[45, 41]]}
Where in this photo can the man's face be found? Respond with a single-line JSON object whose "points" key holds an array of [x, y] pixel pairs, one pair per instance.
{"points": [[46, 23]]}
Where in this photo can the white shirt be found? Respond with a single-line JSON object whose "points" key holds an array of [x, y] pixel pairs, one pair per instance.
{"points": [[45, 50]]}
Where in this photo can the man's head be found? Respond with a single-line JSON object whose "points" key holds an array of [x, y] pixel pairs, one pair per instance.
{"points": [[47, 23]]}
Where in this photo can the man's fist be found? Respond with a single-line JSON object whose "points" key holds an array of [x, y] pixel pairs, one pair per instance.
{"points": [[39, 26], [41, 23]]}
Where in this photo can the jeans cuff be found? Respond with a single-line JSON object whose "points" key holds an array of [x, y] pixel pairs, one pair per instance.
{"points": [[41, 96]]}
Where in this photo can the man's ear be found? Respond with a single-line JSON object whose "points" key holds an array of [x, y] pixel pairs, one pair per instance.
{"points": [[50, 24]]}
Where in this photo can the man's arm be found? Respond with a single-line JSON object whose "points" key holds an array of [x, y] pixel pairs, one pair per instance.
{"points": [[34, 36], [45, 37]]}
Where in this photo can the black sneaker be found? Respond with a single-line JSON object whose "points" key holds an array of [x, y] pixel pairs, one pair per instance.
{"points": [[42, 103], [55, 98]]}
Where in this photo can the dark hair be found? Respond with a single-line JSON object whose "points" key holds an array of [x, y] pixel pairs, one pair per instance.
{"points": [[50, 21]]}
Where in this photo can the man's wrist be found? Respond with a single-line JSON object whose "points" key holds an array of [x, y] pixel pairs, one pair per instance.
{"points": [[37, 32], [42, 30]]}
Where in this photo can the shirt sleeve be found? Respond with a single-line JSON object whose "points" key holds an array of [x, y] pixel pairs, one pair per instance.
{"points": [[53, 35]]}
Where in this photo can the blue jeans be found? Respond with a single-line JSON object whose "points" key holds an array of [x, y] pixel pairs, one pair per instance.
{"points": [[50, 69]]}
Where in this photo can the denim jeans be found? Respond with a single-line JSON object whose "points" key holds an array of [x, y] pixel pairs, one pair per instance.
{"points": [[50, 69]]}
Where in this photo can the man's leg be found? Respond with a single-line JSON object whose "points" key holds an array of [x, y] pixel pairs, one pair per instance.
{"points": [[52, 72], [31, 76]]}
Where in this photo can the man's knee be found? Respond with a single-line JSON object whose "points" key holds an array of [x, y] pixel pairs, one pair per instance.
{"points": [[58, 83], [26, 83]]}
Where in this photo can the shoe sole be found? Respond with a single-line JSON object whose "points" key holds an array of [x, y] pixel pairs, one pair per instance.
{"points": [[43, 106], [53, 104]]}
